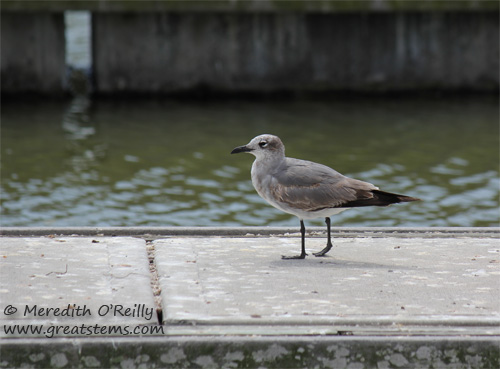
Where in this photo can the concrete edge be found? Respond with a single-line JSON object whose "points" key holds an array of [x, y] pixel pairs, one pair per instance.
{"points": [[352, 327], [435, 232], [354, 321]]}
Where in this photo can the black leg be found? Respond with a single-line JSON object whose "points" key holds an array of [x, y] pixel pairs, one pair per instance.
{"points": [[328, 243], [303, 252]]}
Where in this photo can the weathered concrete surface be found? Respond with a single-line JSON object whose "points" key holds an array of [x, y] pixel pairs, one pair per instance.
{"points": [[385, 298], [173, 53], [32, 53], [386, 285], [93, 276]]}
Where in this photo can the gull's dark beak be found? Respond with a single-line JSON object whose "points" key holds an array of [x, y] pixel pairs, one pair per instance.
{"points": [[239, 149]]}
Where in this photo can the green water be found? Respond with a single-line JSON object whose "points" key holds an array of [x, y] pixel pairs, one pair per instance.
{"points": [[166, 163]]}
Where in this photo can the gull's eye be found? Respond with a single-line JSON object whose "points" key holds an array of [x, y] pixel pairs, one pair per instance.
{"points": [[263, 143]]}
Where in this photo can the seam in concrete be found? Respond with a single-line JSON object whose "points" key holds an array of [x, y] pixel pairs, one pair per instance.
{"points": [[152, 232], [155, 283]]}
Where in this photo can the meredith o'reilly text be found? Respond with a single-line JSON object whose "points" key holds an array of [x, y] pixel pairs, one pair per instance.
{"points": [[73, 310]]}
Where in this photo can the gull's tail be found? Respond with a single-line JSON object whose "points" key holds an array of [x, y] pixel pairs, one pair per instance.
{"points": [[393, 198]]}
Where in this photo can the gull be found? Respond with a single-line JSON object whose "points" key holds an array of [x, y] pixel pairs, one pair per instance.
{"points": [[306, 189]]}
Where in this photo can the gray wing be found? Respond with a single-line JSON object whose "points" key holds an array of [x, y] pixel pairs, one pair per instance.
{"points": [[312, 186]]}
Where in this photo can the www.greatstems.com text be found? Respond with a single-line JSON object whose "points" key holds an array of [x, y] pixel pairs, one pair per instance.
{"points": [[81, 330]]}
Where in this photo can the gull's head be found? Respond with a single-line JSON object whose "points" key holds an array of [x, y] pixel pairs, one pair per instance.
{"points": [[263, 146]]}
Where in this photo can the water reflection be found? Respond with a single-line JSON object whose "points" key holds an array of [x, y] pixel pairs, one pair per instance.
{"points": [[76, 120], [163, 163]]}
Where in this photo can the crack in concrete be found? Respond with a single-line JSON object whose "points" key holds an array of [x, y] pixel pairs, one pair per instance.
{"points": [[155, 283]]}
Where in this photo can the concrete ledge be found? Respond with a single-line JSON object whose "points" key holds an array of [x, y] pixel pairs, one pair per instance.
{"points": [[80, 275], [384, 298], [378, 286], [252, 231]]}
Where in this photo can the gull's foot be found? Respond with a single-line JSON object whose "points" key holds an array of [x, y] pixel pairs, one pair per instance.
{"points": [[295, 257], [323, 252], [319, 254]]}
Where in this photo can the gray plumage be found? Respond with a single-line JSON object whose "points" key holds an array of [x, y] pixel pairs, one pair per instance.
{"points": [[306, 189]]}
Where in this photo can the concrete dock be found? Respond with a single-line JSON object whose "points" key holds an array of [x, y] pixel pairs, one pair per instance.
{"points": [[224, 298]]}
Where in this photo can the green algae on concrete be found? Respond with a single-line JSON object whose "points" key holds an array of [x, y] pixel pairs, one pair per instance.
{"points": [[253, 352]]}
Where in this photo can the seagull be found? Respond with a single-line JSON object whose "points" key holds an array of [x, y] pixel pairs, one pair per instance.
{"points": [[306, 189]]}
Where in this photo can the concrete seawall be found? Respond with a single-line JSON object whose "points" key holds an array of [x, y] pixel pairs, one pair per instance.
{"points": [[214, 298], [32, 53], [295, 52], [259, 47]]}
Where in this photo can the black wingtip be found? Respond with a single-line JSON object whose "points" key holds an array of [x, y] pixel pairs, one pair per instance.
{"points": [[380, 198]]}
